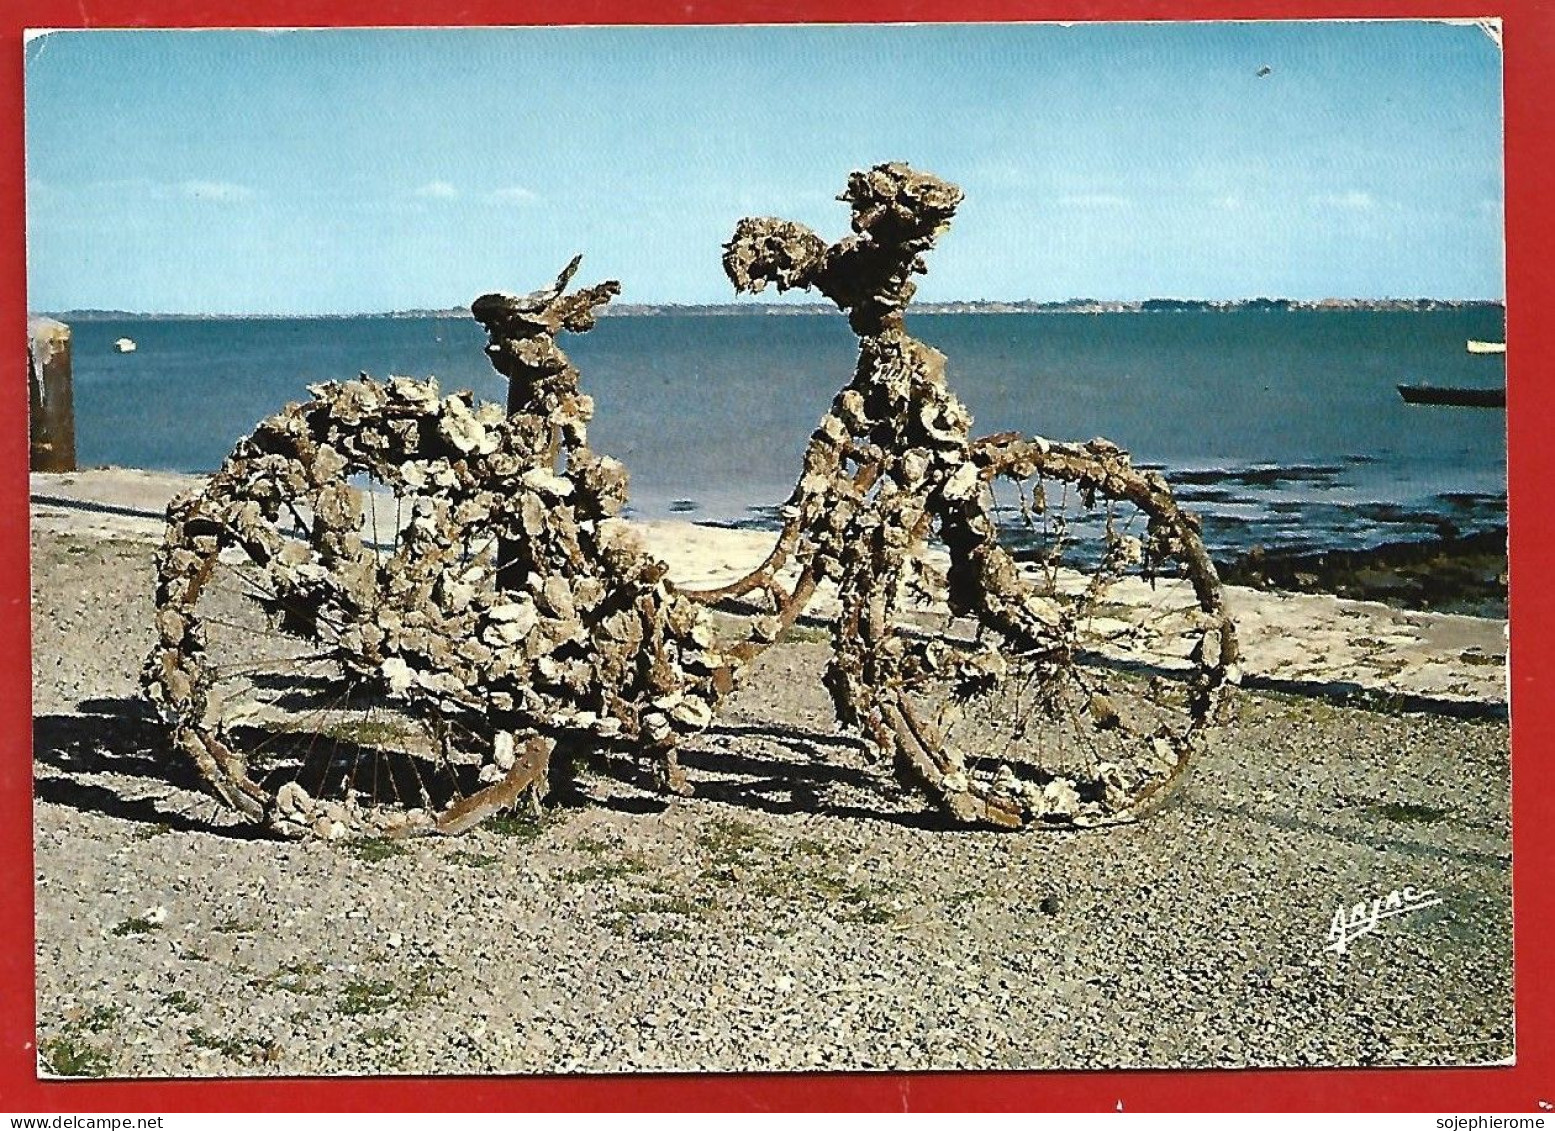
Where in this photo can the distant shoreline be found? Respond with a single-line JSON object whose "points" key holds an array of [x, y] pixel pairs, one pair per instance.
{"points": [[729, 309]]}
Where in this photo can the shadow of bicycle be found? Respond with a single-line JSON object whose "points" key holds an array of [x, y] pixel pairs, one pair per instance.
{"points": [[113, 758]]}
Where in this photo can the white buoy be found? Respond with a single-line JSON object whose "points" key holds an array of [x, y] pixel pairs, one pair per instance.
{"points": [[125, 345]]}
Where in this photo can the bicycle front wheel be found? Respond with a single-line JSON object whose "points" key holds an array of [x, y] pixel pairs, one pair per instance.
{"points": [[1087, 648]]}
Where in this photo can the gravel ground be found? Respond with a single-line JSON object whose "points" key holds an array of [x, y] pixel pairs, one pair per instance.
{"points": [[798, 913]]}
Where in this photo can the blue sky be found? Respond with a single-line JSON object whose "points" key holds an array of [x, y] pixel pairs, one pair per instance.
{"points": [[342, 171]]}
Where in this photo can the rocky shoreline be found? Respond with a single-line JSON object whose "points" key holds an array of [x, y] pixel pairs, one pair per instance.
{"points": [[1449, 574], [799, 911]]}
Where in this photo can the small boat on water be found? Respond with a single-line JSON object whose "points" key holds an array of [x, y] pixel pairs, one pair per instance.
{"points": [[125, 345], [1486, 347], [1465, 398]]}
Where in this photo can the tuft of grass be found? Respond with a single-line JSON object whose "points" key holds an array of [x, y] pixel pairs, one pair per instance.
{"points": [[851, 902], [101, 1018], [678, 905], [147, 832], [368, 995], [370, 732], [520, 826], [664, 905], [729, 841], [69, 1055], [1476, 658], [134, 925], [385, 1044], [1380, 702], [374, 995], [73, 1052], [865, 911], [1408, 812], [588, 844], [605, 870], [294, 977], [845, 899], [625, 920], [805, 846], [803, 634], [374, 849], [179, 1001], [235, 926], [473, 859], [234, 1048]]}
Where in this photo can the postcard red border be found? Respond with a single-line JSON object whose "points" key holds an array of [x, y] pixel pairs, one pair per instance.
{"points": [[1530, 191]]}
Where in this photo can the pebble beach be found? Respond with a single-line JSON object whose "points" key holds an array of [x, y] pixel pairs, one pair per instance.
{"points": [[799, 911]]}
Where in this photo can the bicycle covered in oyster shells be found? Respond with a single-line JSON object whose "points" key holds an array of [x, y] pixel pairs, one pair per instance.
{"points": [[396, 611]]}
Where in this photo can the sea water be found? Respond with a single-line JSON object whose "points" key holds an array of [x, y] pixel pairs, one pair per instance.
{"points": [[1281, 428]]}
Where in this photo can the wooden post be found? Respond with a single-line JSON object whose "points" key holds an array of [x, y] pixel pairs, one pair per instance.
{"points": [[53, 408]]}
